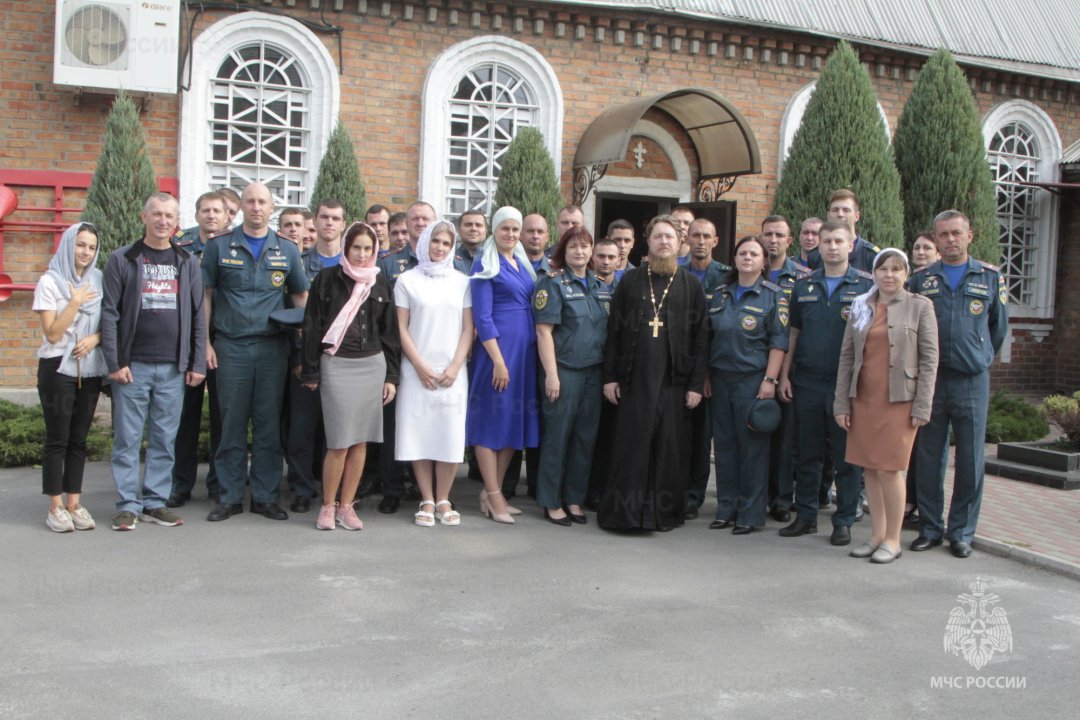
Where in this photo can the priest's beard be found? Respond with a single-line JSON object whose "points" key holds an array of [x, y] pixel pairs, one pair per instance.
{"points": [[662, 266]]}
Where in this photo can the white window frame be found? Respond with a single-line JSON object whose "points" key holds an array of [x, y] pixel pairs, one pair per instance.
{"points": [[1046, 229], [792, 119], [208, 52], [442, 79]]}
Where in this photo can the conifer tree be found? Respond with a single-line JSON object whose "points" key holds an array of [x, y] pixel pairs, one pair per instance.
{"points": [[339, 176], [842, 143], [528, 181], [942, 159], [122, 181]]}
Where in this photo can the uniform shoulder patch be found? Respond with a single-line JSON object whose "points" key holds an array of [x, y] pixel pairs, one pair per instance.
{"points": [[540, 300]]}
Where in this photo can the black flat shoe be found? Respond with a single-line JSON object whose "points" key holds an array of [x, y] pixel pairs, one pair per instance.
{"points": [[922, 543], [799, 527], [780, 515], [721, 524], [742, 530], [389, 504], [224, 511], [579, 519], [269, 510], [841, 535], [562, 522], [300, 504], [960, 549], [177, 500]]}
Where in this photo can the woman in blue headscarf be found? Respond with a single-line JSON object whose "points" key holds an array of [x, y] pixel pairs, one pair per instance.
{"points": [[70, 371], [504, 414]]}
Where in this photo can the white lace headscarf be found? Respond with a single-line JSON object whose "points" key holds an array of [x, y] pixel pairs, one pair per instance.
{"points": [[862, 310]]}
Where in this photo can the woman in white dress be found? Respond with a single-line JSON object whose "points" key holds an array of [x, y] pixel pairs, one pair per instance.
{"points": [[434, 308]]}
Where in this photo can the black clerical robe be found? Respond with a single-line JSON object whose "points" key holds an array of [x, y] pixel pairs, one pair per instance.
{"points": [[649, 469]]}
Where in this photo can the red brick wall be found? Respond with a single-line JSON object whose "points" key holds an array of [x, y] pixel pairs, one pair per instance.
{"points": [[385, 63]]}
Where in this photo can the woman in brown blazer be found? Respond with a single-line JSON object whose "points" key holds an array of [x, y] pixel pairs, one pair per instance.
{"points": [[884, 392]]}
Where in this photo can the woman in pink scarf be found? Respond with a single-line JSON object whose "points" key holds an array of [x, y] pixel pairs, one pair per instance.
{"points": [[351, 352]]}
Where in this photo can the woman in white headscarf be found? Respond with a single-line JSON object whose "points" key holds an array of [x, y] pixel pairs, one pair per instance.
{"points": [[884, 392], [434, 312], [504, 412], [70, 371]]}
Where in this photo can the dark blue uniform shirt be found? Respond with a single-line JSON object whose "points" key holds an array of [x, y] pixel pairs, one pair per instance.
{"points": [[820, 319], [579, 311], [745, 330]]}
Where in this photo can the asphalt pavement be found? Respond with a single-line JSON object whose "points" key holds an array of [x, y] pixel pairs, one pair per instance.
{"points": [[252, 618]]}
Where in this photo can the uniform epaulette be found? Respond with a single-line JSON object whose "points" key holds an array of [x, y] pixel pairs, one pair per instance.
{"points": [[875, 248], [556, 273], [989, 266], [863, 274], [772, 286], [804, 269], [221, 234], [923, 269]]}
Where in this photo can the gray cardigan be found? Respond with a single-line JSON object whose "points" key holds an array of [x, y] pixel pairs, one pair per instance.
{"points": [[913, 355], [123, 299]]}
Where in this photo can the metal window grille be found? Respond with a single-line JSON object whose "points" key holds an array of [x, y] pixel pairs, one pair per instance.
{"points": [[1014, 158], [488, 105], [260, 123]]}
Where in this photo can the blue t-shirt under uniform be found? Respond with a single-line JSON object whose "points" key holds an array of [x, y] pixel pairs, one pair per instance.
{"points": [[329, 262], [831, 283], [954, 274], [740, 291], [256, 244]]}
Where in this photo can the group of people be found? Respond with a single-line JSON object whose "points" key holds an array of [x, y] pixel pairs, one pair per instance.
{"points": [[427, 337]]}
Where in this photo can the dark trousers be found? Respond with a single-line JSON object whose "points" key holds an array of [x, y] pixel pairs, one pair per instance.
{"points": [[186, 465], [701, 441], [605, 443], [513, 472], [570, 425], [742, 456], [963, 402], [782, 461], [305, 439], [391, 472], [69, 412], [814, 424]]}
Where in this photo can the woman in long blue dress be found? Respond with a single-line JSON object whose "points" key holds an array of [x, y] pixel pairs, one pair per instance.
{"points": [[503, 408]]}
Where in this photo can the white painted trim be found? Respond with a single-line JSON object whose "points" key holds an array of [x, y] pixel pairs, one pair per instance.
{"points": [[793, 115], [442, 79], [681, 187], [209, 51], [1046, 134]]}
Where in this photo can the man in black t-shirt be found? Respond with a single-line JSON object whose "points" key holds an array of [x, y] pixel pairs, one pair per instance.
{"points": [[153, 335]]}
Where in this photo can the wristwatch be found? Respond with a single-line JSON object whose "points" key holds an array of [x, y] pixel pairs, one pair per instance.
{"points": [[773, 380]]}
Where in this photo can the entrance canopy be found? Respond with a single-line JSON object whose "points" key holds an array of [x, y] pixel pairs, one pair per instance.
{"points": [[724, 144]]}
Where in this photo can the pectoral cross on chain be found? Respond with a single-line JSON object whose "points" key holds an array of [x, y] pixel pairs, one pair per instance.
{"points": [[656, 324]]}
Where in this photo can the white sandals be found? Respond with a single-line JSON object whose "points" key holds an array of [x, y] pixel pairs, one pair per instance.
{"points": [[423, 518], [450, 517]]}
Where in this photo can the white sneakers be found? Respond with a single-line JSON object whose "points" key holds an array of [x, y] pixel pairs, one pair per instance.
{"points": [[61, 520]]}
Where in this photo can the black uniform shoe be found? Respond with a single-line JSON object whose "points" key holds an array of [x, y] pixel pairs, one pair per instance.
{"points": [[177, 500], [799, 527], [924, 543], [369, 485], [960, 549], [721, 524], [269, 510], [691, 512], [224, 511], [841, 535], [743, 530], [389, 504], [300, 503], [780, 514], [564, 521]]}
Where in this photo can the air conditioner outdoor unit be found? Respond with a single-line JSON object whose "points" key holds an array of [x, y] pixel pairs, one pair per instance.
{"points": [[117, 44]]}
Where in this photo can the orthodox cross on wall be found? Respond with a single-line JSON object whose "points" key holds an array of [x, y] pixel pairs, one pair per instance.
{"points": [[639, 154]]}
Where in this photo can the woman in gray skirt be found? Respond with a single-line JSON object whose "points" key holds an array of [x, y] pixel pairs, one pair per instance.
{"points": [[351, 352]]}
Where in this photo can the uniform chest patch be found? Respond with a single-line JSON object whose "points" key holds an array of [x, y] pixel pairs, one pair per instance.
{"points": [[541, 299], [277, 278], [749, 322], [976, 307], [845, 313]]}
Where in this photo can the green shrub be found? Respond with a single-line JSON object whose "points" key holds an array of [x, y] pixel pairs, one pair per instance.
{"points": [[1012, 419], [1064, 411], [22, 436]]}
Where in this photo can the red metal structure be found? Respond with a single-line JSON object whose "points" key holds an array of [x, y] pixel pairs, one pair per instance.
{"points": [[59, 182]]}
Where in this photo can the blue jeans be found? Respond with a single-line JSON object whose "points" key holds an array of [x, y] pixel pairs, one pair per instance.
{"points": [[152, 400]]}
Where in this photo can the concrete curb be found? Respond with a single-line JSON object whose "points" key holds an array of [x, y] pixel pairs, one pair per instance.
{"points": [[1028, 557]]}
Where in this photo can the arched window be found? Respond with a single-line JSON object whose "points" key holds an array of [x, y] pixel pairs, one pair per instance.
{"points": [[1023, 147], [476, 96], [262, 103]]}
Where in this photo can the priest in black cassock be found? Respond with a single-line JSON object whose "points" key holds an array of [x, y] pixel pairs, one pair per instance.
{"points": [[655, 362]]}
